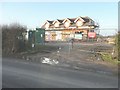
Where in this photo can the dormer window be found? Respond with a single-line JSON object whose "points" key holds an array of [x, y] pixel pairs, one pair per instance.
{"points": [[47, 25], [56, 24], [67, 24], [79, 23]]}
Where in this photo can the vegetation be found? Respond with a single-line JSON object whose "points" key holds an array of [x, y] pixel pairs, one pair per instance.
{"points": [[108, 57], [118, 45], [115, 59], [15, 44], [13, 39]]}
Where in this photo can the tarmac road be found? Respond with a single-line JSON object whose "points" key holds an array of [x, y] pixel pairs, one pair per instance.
{"points": [[22, 74]]}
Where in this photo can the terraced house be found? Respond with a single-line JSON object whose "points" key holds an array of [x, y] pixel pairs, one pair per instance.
{"points": [[80, 28]]}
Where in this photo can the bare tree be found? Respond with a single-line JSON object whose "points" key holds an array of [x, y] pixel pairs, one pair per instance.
{"points": [[12, 38]]}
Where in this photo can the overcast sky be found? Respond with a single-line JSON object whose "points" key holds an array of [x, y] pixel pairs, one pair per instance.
{"points": [[34, 14]]}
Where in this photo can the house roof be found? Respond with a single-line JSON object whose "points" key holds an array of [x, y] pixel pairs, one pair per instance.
{"points": [[86, 22], [60, 20], [85, 19], [50, 21], [72, 20], [73, 25], [80, 19], [66, 19]]}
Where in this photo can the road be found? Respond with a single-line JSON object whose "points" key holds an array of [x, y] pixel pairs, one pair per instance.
{"points": [[22, 74]]}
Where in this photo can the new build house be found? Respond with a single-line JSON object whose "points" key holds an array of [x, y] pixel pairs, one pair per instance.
{"points": [[80, 28]]}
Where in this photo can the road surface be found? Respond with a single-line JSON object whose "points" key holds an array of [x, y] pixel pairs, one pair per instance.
{"points": [[22, 74]]}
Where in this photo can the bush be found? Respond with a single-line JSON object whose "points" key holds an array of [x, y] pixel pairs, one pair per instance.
{"points": [[108, 58], [13, 38], [117, 41], [118, 46]]}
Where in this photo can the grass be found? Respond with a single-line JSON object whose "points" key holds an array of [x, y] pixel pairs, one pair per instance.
{"points": [[108, 58]]}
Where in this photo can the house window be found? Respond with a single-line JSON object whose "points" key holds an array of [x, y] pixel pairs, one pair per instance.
{"points": [[67, 24], [47, 26], [79, 23], [56, 24]]}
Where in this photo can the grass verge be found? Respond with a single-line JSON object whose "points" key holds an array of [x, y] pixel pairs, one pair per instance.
{"points": [[108, 58]]}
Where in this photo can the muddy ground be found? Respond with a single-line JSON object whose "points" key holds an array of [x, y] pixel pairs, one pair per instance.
{"points": [[81, 57]]}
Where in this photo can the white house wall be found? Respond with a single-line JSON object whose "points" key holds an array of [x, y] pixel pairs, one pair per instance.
{"points": [[58, 35]]}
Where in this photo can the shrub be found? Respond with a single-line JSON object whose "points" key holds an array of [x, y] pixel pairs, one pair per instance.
{"points": [[13, 39]]}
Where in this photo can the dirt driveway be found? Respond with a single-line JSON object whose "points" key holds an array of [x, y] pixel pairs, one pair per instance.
{"points": [[81, 57]]}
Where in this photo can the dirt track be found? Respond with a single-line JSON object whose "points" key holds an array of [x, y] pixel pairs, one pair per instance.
{"points": [[81, 56]]}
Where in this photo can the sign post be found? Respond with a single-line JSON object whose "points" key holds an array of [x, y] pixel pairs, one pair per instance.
{"points": [[92, 35]]}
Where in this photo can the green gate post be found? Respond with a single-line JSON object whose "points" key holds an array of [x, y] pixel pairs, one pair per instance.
{"points": [[40, 36]]}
